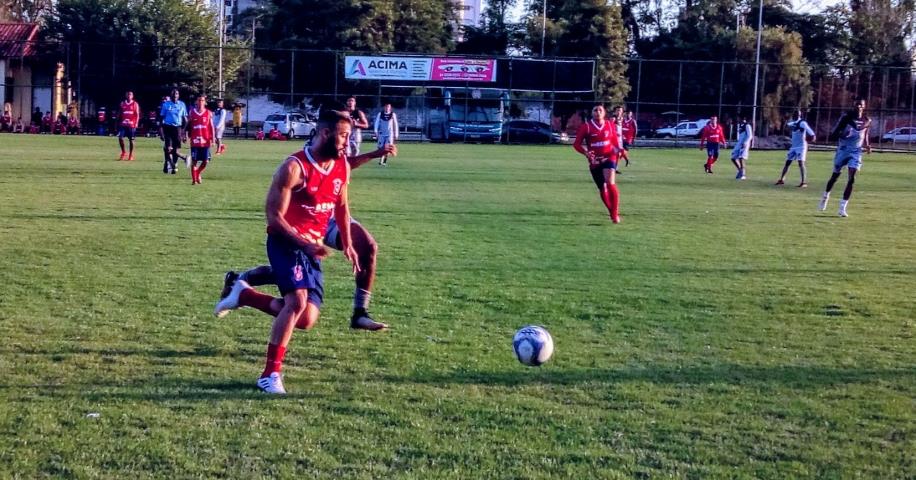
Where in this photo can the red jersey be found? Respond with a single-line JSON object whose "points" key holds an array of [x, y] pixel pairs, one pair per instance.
{"points": [[200, 128], [101, 116], [312, 204], [602, 141], [712, 134], [629, 130], [130, 114]]}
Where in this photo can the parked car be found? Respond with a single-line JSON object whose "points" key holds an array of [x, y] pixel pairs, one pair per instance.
{"points": [[684, 129], [529, 131], [291, 124], [901, 134]]}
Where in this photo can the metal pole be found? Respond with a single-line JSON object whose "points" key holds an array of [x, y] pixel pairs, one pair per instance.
{"points": [[677, 110], [721, 83], [222, 29], [757, 68], [292, 75], [638, 85], [544, 28]]}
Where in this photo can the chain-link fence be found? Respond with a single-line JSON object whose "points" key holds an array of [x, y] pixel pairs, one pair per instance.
{"points": [[669, 98]]}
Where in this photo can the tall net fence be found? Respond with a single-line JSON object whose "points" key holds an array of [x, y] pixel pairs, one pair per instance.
{"points": [[669, 98]]}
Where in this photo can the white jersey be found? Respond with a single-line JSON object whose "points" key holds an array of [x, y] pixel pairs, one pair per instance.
{"points": [[386, 124], [800, 131], [220, 115], [852, 135], [745, 133]]}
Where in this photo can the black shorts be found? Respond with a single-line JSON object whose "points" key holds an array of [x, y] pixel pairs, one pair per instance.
{"points": [[598, 171], [171, 137], [127, 132]]}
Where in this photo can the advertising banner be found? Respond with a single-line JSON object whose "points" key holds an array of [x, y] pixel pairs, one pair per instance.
{"points": [[463, 70], [387, 68], [438, 69]]}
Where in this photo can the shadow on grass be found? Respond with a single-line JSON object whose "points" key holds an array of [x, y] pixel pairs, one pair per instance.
{"points": [[794, 376]]}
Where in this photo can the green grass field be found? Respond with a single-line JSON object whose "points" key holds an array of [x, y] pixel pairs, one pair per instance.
{"points": [[724, 330]]}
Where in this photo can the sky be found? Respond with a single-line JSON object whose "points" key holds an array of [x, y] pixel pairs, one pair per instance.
{"points": [[803, 6]]}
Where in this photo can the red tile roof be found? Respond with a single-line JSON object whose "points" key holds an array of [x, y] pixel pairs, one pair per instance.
{"points": [[15, 39]]}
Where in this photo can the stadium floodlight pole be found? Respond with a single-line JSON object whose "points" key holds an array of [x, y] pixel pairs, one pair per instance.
{"points": [[757, 68], [544, 28]]}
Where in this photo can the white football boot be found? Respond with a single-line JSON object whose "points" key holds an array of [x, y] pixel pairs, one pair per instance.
{"points": [[272, 384], [231, 302]]}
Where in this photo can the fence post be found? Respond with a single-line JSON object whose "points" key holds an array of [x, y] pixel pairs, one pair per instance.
{"points": [[638, 85], [292, 75], [721, 84], [248, 90], [677, 115]]}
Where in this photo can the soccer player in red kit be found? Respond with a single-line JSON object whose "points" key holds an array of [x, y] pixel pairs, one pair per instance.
{"points": [[597, 140], [201, 134], [629, 135], [308, 188], [128, 119], [712, 136]]}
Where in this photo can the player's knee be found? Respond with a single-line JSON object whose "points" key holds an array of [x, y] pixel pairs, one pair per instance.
{"points": [[369, 248], [297, 302]]}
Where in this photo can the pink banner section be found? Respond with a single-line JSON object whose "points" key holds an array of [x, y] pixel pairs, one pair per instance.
{"points": [[464, 70]]}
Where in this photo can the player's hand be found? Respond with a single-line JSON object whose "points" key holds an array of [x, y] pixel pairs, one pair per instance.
{"points": [[316, 250], [353, 257]]}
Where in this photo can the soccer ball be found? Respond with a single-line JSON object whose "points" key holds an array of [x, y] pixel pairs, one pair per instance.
{"points": [[533, 345]]}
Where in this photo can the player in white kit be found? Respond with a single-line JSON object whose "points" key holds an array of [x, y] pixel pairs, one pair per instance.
{"points": [[798, 151]]}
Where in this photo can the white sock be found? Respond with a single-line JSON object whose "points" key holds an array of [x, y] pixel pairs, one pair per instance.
{"points": [[843, 204]]}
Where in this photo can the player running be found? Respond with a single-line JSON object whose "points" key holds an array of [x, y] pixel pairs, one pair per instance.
{"points": [[308, 188], [798, 151], [742, 148], [365, 245], [597, 140], [201, 133], [129, 118], [386, 130], [712, 137], [852, 131]]}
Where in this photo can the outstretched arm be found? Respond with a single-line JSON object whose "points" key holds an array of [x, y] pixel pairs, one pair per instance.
{"points": [[359, 160]]}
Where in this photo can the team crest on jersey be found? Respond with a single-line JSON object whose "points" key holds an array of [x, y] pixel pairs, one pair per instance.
{"points": [[338, 183]]}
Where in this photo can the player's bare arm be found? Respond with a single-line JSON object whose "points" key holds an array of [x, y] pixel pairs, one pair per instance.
{"points": [[361, 159], [362, 121], [578, 144], [287, 177], [342, 217]]}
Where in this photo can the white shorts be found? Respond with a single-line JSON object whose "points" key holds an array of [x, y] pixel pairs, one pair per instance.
{"points": [[797, 153], [740, 151], [850, 158], [218, 133], [331, 236], [356, 138]]}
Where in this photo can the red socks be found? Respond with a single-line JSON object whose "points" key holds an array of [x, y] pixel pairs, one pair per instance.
{"points": [[275, 355], [605, 198], [614, 200], [710, 161], [250, 297]]}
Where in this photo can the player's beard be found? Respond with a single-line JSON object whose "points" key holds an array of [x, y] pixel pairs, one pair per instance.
{"points": [[329, 149]]}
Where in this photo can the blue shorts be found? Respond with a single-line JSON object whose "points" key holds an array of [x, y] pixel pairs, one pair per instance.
{"points": [[598, 171], [851, 158], [200, 154], [627, 145], [127, 132], [384, 140], [797, 153], [294, 270], [712, 150]]}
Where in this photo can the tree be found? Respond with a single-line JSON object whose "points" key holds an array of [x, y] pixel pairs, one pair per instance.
{"points": [[586, 28], [144, 45], [494, 35], [26, 11], [880, 30], [786, 84]]}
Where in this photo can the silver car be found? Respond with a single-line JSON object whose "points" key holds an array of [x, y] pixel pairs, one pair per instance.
{"points": [[901, 134], [291, 124]]}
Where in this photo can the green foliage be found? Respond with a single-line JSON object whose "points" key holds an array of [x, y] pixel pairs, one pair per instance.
{"points": [[786, 80], [879, 30], [585, 28], [146, 46], [724, 330]]}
